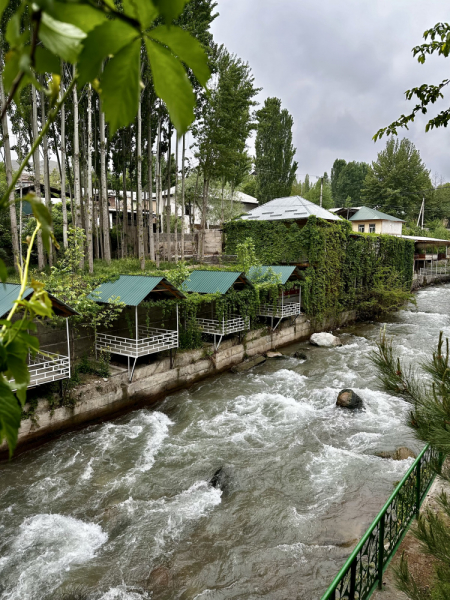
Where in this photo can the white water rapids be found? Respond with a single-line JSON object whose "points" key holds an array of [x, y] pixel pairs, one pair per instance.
{"points": [[124, 508]]}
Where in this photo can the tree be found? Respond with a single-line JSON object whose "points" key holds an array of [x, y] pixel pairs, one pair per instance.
{"points": [[338, 165], [349, 183], [429, 398], [398, 180], [313, 194], [425, 94], [274, 153]]}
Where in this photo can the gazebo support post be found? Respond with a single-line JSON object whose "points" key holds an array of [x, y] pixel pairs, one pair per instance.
{"points": [[68, 344]]}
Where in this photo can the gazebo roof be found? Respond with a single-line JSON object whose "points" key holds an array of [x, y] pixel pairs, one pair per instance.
{"points": [[10, 291], [285, 272], [133, 289], [212, 282]]}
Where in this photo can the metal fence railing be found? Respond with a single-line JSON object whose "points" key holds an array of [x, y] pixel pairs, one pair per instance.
{"points": [[435, 270], [364, 569]]}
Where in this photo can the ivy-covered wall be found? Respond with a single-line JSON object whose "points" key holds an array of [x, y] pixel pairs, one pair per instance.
{"points": [[346, 270]]}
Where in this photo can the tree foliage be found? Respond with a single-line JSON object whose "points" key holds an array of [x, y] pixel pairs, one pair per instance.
{"points": [[274, 153], [398, 180], [347, 180], [437, 41]]}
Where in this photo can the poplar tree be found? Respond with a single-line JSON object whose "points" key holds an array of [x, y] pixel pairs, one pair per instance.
{"points": [[274, 153]]}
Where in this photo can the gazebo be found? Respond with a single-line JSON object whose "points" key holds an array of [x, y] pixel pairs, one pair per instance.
{"points": [[213, 282], [45, 366], [288, 303], [133, 290]]}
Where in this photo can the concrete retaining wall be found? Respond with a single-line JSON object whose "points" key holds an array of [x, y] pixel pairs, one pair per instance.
{"points": [[100, 399]]}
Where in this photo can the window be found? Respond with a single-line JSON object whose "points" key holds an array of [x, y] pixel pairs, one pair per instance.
{"points": [[361, 228], [372, 228], [187, 210]]}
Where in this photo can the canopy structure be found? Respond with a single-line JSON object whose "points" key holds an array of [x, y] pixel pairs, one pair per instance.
{"points": [[217, 282], [289, 301], [45, 366], [132, 290]]}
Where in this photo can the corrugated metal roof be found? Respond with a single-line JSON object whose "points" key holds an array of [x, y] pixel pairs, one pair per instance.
{"points": [[211, 282], [130, 289], [259, 272], [423, 240], [9, 293], [291, 207], [368, 214]]}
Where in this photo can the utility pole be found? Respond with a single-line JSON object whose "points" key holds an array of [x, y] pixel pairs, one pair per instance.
{"points": [[421, 213], [321, 190]]}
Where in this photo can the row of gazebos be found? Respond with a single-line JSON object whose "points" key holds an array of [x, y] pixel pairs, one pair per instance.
{"points": [[134, 290]]}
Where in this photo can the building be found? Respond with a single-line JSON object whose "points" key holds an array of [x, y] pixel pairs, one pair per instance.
{"points": [[293, 208], [369, 220]]}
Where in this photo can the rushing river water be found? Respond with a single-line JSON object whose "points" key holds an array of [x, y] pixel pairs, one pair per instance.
{"points": [[125, 509]]}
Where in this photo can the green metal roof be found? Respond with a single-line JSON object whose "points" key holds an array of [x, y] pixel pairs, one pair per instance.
{"points": [[211, 282], [131, 289], [367, 214], [10, 291], [259, 272]]}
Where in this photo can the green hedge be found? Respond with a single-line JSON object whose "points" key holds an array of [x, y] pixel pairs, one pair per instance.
{"points": [[369, 273]]}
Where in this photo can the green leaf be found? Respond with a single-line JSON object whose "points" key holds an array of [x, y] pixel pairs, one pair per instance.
{"points": [[10, 415], [83, 16], [43, 216], [120, 86], [3, 5], [142, 10], [63, 39], [170, 9], [45, 61], [186, 47], [172, 85], [3, 271], [104, 40], [18, 369]]}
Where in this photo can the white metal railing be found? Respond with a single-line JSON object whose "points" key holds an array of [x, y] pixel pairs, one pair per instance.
{"points": [[279, 310], [224, 326], [153, 340], [435, 270], [48, 367]]}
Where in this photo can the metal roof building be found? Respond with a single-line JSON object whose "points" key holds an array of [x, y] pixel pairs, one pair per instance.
{"points": [[132, 290], [291, 207], [285, 272], [213, 282], [44, 367], [370, 214]]}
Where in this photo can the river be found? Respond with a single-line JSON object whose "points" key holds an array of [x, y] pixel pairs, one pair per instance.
{"points": [[124, 508]]}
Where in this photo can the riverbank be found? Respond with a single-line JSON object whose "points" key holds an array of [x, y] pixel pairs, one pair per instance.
{"points": [[105, 398]]}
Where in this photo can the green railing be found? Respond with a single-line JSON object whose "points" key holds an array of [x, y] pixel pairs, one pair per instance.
{"points": [[364, 569]]}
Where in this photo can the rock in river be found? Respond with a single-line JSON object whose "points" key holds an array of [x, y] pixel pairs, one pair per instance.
{"points": [[300, 355], [348, 399], [401, 453], [326, 340], [276, 355]]}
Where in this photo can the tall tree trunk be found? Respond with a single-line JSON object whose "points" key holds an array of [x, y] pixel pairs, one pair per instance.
{"points": [[158, 186], [90, 248], [176, 198], [37, 176], [48, 201], [76, 158], [169, 166], [183, 154], [8, 166], [140, 218], [63, 162], [104, 189], [151, 236], [125, 199], [203, 225]]}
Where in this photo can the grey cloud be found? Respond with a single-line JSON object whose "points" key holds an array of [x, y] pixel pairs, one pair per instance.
{"points": [[341, 69]]}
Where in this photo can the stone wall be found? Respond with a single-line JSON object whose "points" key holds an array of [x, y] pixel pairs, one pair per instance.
{"points": [[102, 399]]}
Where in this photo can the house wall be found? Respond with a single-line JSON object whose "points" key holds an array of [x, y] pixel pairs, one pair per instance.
{"points": [[381, 226]]}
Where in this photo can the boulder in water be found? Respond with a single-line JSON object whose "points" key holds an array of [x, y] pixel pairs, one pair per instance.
{"points": [[348, 399], [325, 340], [248, 364], [401, 453], [276, 355], [219, 480], [300, 355]]}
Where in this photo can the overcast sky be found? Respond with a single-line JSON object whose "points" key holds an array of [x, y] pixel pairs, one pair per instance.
{"points": [[341, 69]]}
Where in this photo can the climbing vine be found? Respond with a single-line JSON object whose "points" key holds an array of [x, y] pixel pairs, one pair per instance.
{"points": [[342, 270]]}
